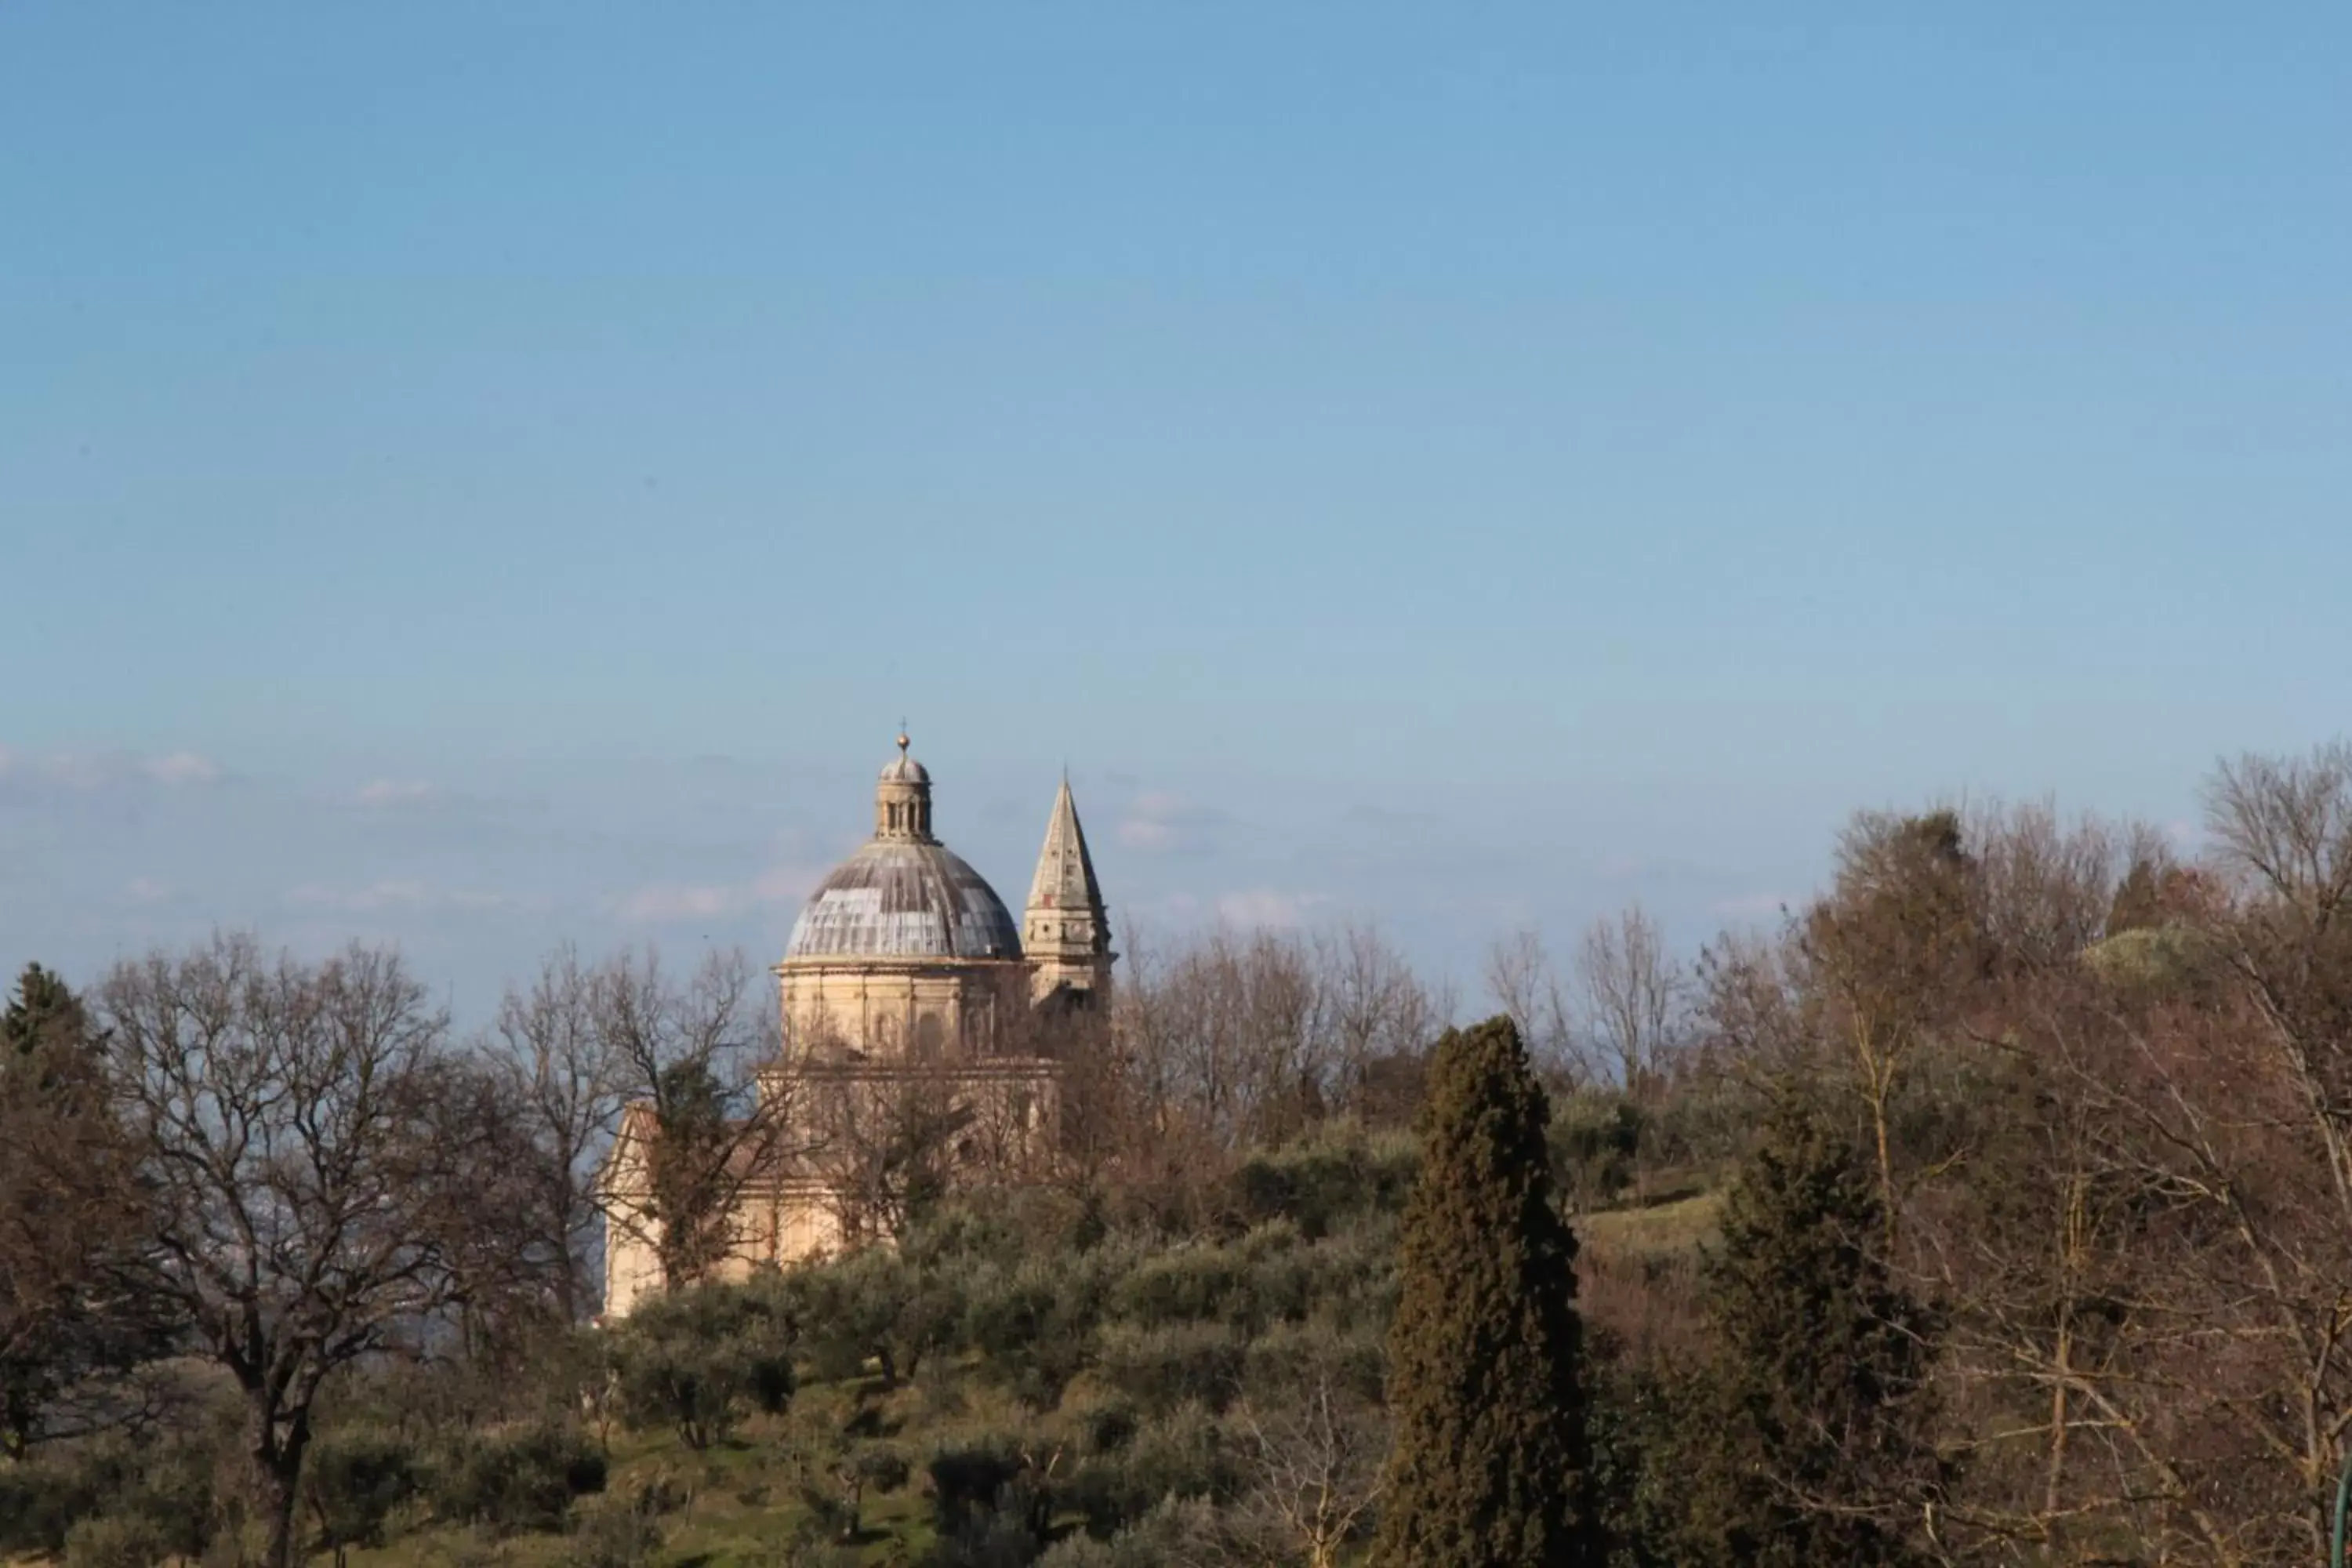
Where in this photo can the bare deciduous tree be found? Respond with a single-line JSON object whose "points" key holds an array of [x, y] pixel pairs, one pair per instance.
{"points": [[2045, 887], [1524, 984], [1890, 953], [1233, 1030], [1631, 997], [1381, 1014], [293, 1125], [710, 1069], [1315, 1457], [567, 1077], [895, 1138]]}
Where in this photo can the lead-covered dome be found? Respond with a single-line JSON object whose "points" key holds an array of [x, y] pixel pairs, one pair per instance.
{"points": [[903, 899], [904, 894]]}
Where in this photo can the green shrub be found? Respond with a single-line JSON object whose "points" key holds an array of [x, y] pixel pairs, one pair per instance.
{"points": [[1175, 1530], [1035, 1324], [1108, 1428], [1596, 1140], [968, 1477], [179, 1489], [659, 1494], [807, 1548], [116, 1541], [879, 1305], [43, 1499], [1351, 1277], [1264, 1276], [879, 1469], [522, 1480], [351, 1482], [616, 1536], [1183, 1455], [1298, 1355], [838, 1463], [168, 1483], [1010, 1532], [471, 1547], [697, 1359], [1323, 1179], [1189, 1285], [1162, 1368]]}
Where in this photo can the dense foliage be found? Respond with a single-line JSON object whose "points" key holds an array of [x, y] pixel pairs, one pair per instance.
{"points": [[1814, 1401]]}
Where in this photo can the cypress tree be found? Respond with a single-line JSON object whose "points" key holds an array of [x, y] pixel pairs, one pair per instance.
{"points": [[71, 1221], [1810, 1438], [44, 1030], [688, 1173], [1490, 1467]]}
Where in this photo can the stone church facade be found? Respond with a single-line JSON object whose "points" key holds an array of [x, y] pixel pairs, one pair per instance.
{"points": [[908, 995]]}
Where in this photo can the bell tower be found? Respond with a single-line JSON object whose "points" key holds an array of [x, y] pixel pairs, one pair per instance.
{"points": [[1065, 932]]}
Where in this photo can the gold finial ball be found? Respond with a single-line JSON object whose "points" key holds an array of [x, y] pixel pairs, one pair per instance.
{"points": [[902, 740]]}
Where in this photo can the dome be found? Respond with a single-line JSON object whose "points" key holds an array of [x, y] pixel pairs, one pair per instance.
{"points": [[903, 769], [904, 898]]}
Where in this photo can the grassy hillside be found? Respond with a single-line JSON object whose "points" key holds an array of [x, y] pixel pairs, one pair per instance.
{"points": [[1026, 1372], [736, 1505]]}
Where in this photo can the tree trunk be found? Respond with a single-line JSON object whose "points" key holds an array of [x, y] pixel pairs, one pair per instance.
{"points": [[1877, 1062], [277, 1474], [277, 1490]]}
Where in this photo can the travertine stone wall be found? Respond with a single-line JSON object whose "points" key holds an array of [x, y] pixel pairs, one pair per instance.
{"points": [[775, 1225], [905, 1011]]}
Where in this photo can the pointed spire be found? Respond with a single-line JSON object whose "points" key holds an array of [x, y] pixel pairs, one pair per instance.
{"points": [[1065, 870], [1065, 932]]}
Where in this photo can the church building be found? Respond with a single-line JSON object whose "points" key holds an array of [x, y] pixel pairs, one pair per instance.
{"points": [[906, 992]]}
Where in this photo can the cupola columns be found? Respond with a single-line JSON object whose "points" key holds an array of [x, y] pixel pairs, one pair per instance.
{"points": [[902, 799]]}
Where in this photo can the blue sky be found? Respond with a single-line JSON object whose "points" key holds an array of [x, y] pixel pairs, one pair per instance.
{"points": [[476, 475]]}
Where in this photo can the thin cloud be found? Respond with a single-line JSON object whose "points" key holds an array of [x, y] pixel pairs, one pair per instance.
{"points": [[388, 895], [678, 903], [383, 793], [147, 890], [399, 894], [1142, 833], [183, 768], [93, 772], [1268, 907], [671, 905], [1159, 822], [1749, 906]]}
